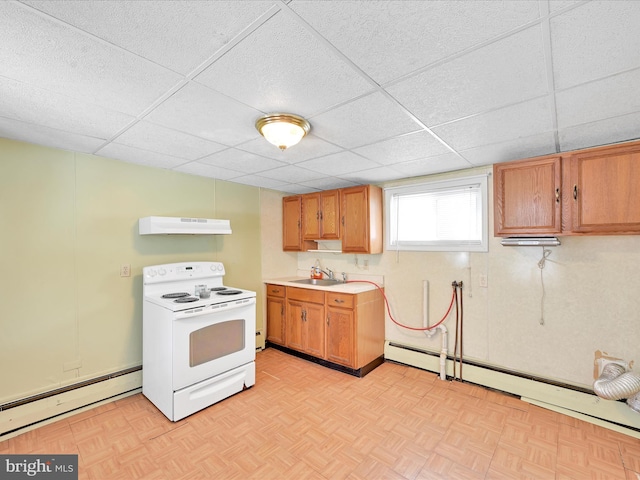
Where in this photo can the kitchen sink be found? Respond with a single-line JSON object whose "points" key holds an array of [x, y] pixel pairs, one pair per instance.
{"points": [[324, 282]]}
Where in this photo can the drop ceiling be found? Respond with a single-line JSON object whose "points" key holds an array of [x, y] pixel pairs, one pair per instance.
{"points": [[392, 89]]}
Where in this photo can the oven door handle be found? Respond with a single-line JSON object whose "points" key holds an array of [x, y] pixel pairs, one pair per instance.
{"points": [[214, 309]]}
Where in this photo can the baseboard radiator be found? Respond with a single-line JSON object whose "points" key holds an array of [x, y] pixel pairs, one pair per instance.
{"points": [[565, 399], [16, 416]]}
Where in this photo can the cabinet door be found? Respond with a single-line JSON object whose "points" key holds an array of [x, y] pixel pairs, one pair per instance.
{"points": [[330, 215], [291, 223], [295, 323], [361, 219], [340, 336], [275, 320], [528, 197], [321, 215], [314, 330], [311, 216], [604, 193]]}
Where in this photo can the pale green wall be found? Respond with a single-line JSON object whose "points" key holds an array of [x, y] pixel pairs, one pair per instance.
{"points": [[68, 222]]}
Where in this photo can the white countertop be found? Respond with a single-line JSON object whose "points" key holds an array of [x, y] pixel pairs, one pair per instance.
{"points": [[353, 286]]}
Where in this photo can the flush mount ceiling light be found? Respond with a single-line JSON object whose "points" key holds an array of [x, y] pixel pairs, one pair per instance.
{"points": [[283, 129]]}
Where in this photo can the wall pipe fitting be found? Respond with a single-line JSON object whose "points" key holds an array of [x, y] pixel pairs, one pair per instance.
{"points": [[443, 351]]}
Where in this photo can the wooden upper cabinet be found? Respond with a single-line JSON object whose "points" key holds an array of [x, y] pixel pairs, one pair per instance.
{"points": [[604, 190], [353, 215], [292, 225], [321, 215], [585, 192], [361, 219], [528, 197]]}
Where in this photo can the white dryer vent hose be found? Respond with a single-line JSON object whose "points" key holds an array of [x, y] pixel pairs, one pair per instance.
{"points": [[615, 383]]}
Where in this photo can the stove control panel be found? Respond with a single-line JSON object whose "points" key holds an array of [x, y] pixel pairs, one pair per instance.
{"points": [[182, 271]]}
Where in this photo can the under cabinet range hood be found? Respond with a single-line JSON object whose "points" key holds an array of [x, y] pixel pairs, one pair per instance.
{"points": [[183, 226], [530, 242]]}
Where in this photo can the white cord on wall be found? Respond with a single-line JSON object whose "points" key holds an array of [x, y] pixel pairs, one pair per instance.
{"points": [[541, 265]]}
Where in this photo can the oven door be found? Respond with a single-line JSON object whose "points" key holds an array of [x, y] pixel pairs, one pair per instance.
{"points": [[212, 340]]}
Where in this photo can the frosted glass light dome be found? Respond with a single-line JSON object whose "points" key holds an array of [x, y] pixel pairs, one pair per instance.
{"points": [[283, 130]]}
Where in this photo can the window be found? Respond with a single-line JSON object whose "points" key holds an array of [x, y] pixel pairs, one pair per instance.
{"points": [[448, 215]]}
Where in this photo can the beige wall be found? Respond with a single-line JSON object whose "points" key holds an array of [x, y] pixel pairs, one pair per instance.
{"points": [[69, 221], [591, 302]]}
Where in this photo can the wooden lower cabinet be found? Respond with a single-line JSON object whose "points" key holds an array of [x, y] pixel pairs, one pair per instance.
{"points": [[275, 314], [339, 328], [305, 321], [340, 336]]}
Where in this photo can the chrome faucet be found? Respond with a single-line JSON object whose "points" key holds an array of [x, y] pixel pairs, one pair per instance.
{"points": [[328, 273]]}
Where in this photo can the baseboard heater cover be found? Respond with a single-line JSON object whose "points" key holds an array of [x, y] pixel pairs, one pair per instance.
{"points": [[564, 398], [38, 408]]}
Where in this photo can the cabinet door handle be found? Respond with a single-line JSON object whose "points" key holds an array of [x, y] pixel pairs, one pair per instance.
{"points": [[558, 195], [320, 214], [575, 192], [338, 300], [317, 215], [304, 315], [328, 318], [343, 221]]}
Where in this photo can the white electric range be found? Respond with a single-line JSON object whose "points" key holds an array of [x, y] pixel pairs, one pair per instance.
{"points": [[198, 348]]}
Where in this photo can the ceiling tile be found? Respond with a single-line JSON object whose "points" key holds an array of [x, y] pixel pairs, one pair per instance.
{"points": [[328, 183], [427, 166], [611, 130], [241, 161], [204, 170], [51, 137], [390, 39], [76, 65], [555, 5], [513, 122], [36, 106], [403, 148], [526, 147], [594, 40], [258, 181], [139, 156], [601, 99], [364, 121], [505, 72], [199, 111], [373, 175], [156, 138], [338, 163], [291, 174], [310, 147], [178, 35], [273, 81]]}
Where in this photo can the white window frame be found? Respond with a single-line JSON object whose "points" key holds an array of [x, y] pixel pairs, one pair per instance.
{"points": [[391, 193]]}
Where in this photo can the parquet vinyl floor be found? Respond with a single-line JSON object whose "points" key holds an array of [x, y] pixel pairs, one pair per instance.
{"points": [[304, 421]]}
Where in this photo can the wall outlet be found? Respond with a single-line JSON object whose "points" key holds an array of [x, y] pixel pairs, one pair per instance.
{"points": [[483, 280], [125, 270], [602, 362]]}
